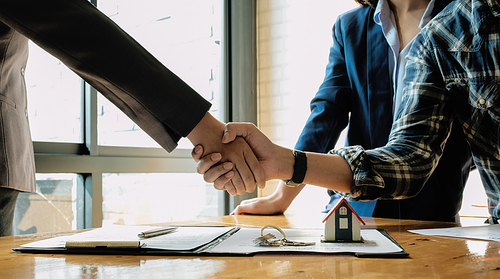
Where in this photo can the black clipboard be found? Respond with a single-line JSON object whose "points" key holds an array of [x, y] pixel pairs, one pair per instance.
{"points": [[202, 250]]}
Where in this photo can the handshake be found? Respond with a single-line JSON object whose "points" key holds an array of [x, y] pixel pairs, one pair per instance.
{"points": [[245, 158], [247, 161]]}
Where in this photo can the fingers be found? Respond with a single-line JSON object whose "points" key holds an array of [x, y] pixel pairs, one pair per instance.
{"points": [[241, 182], [226, 176], [227, 185], [237, 211], [258, 176], [197, 153], [220, 174], [248, 171], [205, 163], [246, 206]]}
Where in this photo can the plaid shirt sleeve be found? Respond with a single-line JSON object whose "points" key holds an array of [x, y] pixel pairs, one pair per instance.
{"points": [[401, 168]]}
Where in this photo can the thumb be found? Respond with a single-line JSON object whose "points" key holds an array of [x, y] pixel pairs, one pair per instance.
{"points": [[232, 130]]}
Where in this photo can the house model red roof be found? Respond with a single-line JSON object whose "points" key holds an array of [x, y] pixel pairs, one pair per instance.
{"points": [[342, 200]]}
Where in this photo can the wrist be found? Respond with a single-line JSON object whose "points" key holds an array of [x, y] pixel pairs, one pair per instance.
{"points": [[208, 128], [284, 195], [285, 161], [299, 169]]}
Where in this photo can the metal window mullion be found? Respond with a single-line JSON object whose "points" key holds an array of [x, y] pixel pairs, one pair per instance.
{"points": [[243, 70], [93, 180], [225, 72], [90, 123]]}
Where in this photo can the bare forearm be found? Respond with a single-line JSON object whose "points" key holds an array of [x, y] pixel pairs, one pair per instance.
{"points": [[208, 133], [284, 195], [328, 171], [324, 170]]}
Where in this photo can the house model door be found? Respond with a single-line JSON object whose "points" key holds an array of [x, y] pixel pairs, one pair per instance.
{"points": [[343, 223]]}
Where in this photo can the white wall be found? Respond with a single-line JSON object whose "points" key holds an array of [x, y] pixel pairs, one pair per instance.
{"points": [[293, 38]]}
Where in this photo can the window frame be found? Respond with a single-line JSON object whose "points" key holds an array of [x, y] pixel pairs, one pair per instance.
{"points": [[90, 160]]}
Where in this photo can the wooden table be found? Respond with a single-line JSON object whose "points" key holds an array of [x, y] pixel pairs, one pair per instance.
{"points": [[430, 257]]}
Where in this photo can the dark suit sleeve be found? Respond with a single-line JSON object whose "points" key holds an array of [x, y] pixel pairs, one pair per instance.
{"points": [[331, 105], [95, 48]]}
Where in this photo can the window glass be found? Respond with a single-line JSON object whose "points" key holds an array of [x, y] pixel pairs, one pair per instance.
{"points": [[52, 208], [343, 211], [343, 223], [55, 99], [184, 36], [474, 202], [138, 198]]}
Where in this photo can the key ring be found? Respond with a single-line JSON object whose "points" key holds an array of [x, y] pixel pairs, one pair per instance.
{"points": [[276, 242]]}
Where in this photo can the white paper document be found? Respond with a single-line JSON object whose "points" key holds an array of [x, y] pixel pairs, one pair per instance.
{"points": [[486, 232], [241, 242], [215, 240], [184, 238]]}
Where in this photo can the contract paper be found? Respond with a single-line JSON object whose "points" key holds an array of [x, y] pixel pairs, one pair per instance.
{"points": [[485, 232], [373, 242]]}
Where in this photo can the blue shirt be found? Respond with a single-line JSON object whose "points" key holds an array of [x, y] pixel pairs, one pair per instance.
{"points": [[453, 75], [397, 59]]}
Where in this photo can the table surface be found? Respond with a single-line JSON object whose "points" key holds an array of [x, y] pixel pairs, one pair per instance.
{"points": [[430, 257]]}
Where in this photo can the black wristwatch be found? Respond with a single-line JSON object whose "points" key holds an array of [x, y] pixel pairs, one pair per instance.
{"points": [[299, 169]]}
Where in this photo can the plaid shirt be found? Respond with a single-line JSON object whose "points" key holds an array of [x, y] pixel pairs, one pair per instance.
{"points": [[453, 74]]}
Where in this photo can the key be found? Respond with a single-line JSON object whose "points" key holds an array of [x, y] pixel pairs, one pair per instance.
{"points": [[263, 240], [287, 242]]}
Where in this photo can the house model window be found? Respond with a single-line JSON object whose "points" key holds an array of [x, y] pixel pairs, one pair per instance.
{"points": [[342, 223]]}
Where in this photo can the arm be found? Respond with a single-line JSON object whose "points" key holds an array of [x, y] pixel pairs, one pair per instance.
{"points": [[324, 170], [401, 168], [123, 71], [164, 106]]}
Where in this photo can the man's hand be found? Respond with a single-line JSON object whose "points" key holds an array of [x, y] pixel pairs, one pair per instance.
{"points": [[212, 171], [267, 153], [260, 206], [246, 172], [276, 161], [220, 174]]}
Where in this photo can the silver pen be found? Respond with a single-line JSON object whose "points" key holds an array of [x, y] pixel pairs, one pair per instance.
{"points": [[157, 232]]}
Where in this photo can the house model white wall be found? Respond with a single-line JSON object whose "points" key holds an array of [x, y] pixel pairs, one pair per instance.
{"points": [[342, 223]]}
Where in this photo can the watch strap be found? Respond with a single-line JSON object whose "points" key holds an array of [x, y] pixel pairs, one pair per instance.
{"points": [[299, 169]]}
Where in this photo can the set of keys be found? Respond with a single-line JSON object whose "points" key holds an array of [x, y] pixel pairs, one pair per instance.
{"points": [[271, 240]]}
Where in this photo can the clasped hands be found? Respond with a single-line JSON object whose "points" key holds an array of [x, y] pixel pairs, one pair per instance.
{"points": [[251, 159]]}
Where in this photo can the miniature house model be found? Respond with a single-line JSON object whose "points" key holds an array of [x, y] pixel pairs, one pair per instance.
{"points": [[342, 223]]}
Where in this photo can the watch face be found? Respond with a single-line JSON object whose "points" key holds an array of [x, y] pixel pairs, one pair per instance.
{"points": [[290, 183]]}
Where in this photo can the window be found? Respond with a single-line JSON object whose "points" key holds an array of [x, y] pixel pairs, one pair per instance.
{"points": [[343, 223], [53, 207], [94, 165], [190, 48], [147, 198], [48, 80], [343, 210]]}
